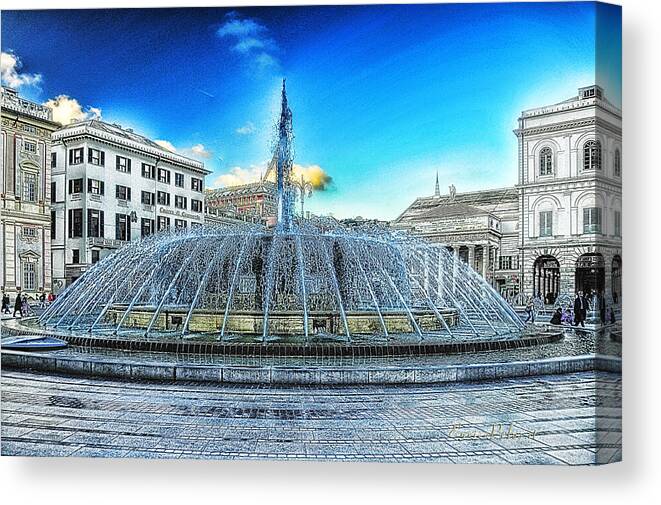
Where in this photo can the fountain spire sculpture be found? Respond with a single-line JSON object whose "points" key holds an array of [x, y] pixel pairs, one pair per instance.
{"points": [[284, 165]]}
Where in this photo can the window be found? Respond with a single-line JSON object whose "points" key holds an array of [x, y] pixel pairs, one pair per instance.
{"points": [[505, 263], [122, 227], [122, 192], [75, 186], [196, 184], [163, 175], [147, 198], [546, 223], [94, 223], [179, 224], [53, 160], [95, 256], [147, 226], [617, 163], [163, 198], [179, 180], [29, 275], [592, 155], [163, 223], [592, 220], [53, 225], [29, 232], [53, 192], [618, 223], [546, 161], [30, 187], [76, 156], [123, 164], [148, 171], [96, 157], [196, 205], [180, 202], [30, 147], [75, 223], [95, 187], [75, 256]]}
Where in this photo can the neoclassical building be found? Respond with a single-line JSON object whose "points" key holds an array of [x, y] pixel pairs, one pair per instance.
{"points": [[570, 196], [26, 185], [559, 230]]}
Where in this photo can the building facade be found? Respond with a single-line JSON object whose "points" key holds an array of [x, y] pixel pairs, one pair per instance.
{"points": [[570, 197], [111, 186], [26, 178], [253, 202], [479, 227], [559, 229]]}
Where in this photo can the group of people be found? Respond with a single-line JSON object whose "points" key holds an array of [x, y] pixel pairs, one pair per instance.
{"points": [[580, 310], [21, 304]]}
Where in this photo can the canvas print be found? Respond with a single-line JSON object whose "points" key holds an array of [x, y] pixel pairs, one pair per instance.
{"points": [[359, 233]]}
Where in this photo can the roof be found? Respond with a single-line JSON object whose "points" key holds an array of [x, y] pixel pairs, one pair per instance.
{"points": [[244, 189], [451, 209], [119, 134]]}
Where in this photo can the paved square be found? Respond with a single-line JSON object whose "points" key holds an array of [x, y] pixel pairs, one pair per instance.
{"points": [[560, 419]]}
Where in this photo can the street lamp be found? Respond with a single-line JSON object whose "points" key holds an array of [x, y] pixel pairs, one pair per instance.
{"points": [[303, 187]]}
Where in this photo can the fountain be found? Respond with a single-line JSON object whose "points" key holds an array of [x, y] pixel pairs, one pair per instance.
{"points": [[299, 282]]}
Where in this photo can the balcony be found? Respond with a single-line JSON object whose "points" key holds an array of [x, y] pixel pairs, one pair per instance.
{"points": [[107, 243]]}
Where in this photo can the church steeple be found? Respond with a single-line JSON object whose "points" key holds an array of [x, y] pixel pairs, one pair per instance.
{"points": [[437, 189]]}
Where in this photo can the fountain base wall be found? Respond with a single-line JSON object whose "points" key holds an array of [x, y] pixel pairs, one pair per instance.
{"points": [[282, 323]]}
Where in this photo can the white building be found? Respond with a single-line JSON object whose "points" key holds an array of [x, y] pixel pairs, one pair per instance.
{"points": [[570, 191], [110, 186], [25, 188]]}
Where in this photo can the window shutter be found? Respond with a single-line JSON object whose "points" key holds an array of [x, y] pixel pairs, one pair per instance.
{"points": [[89, 155], [89, 222], [102, 187], [70, 222], [101, 223], [70, 184], [128, 165], [89, 185], [70, 157], [128, 194], [103, 158], [128, 228]]}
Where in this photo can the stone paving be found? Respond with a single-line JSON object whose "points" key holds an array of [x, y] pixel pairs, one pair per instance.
{"points": [[560, 419]]}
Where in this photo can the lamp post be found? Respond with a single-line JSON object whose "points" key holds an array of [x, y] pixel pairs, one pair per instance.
{"points": [[303, 187]]}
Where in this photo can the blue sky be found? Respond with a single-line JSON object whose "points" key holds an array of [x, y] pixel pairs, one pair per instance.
{"points": [[383, 96]]}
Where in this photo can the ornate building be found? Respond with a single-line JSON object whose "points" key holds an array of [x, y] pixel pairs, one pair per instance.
{"points": [[480, 227], [26, 194], [254, 202], [112, 186], [559, 230], [570, 196]]}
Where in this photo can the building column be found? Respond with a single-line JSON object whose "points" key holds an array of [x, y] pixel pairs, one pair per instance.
{"points": [[471, 256], [485, 259], [455, 268]]}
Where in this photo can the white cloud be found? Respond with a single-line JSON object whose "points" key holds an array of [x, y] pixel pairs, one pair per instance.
{"points": [[166, 145], [197, 151], [67, 110], [10, 66], [238, 176], [250, 38], [246, 129]]}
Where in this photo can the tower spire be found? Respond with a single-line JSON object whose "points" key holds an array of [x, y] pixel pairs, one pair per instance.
{"points": [[437, 188]]}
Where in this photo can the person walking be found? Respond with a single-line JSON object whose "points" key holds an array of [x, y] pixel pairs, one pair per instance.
{"points": [[580, 310], [18, 304], [557, 317], [5, 303], [530, 310], [42, 300]]}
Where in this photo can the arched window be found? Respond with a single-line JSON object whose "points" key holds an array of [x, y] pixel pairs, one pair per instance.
{"points": [[592, 155], [546, 161], [617, 164]]}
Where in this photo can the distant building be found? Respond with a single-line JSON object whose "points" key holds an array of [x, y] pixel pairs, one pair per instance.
{"points": [[559, 230], [252, 202], [111, 186], [480, 227], [26, 186]]}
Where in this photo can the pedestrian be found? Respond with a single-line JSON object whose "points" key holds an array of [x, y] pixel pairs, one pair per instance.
{"points": [[580, 310], [51, 297], [556, 318], [5, 303], [18, 306], [611, 315], [530, 310], [25, 306], [602, 308], [567, 316], [42, 300]]}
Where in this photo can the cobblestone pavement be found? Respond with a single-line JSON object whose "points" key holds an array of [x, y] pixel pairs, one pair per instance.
{"points": [[565, 419]]}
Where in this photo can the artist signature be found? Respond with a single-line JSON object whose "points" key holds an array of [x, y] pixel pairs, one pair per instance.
{"points": [[468, 432]]}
